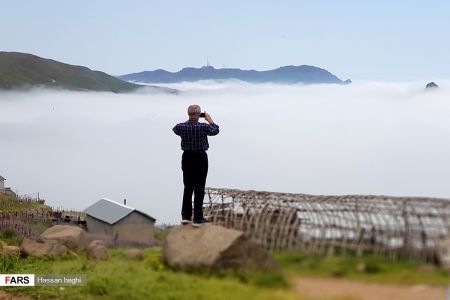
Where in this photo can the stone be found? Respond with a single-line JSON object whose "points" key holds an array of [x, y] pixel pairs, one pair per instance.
{"points": [[108, 240], [42, 248], [73, 237], [9, 250], [214, 247], [133, 253], [97, 250]]}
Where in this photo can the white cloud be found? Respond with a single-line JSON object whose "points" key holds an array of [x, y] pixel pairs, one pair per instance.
{"points": [[366, 138]]}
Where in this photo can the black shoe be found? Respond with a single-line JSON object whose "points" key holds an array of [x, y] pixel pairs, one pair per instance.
{"points": [[198, 223]]}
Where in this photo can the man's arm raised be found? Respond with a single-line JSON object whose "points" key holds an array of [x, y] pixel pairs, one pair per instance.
{"points": [[212, 129]]}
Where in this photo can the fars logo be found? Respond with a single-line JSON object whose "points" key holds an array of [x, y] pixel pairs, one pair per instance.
{"points": [[16, 279]]}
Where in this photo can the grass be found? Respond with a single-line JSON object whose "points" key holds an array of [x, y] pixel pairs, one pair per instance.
{"points": [[10, 237], [10, 203], [161, 232], [125, 278], [368, 267], [120, 277], [20, 70], [17, 211]]}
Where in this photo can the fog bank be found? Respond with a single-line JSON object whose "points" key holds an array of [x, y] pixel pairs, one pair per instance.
{"points": [[367, 138]]}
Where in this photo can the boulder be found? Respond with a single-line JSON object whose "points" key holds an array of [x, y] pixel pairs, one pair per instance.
{"points": [[97, 250], [213, 247], [108, 240], [133, 253], [10, 250], [42, 248], [73, 237]]}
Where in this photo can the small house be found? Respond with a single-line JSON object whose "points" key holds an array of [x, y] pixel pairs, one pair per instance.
{"points": [[5, 190], [125, 225]]}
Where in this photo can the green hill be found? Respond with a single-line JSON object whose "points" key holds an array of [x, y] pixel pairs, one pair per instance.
{"points": [[21, 70]]}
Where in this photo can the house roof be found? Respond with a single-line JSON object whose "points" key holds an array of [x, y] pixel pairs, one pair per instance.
{"points": [[2, 178], [111, 211]]}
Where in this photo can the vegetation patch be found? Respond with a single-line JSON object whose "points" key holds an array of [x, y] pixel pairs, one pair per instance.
{"points": [[125, 278], [368, 267], [122, 277]]}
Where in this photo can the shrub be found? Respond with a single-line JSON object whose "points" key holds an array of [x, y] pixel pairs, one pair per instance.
{"points": [[154, 262]]}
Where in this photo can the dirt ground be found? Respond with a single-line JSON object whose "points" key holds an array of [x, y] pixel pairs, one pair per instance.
{"points": [[347, 289], [5, 296]]}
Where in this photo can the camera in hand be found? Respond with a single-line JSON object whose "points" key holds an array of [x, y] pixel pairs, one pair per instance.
{"points": [[202, 115]]}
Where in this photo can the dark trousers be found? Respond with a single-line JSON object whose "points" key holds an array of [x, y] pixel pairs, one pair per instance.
{"points": [[195, 170]]}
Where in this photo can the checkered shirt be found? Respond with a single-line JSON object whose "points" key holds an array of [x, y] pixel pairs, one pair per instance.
{"points": [[194, 135]]}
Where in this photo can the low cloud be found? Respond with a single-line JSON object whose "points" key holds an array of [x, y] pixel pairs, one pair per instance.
{"points": [[366, 138]]}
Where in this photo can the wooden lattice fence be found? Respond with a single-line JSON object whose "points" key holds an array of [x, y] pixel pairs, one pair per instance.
{"points": [[393, 226], [31, 223], [26, 223]]}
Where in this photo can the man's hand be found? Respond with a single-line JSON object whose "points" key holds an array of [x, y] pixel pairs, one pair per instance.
{"points": [[208, 118]]}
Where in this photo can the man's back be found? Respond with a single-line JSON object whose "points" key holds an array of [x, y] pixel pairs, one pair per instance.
{"points": [[194, 135]]}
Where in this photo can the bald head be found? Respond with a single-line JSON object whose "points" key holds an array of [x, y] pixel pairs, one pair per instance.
{"points": [[194, 111]]}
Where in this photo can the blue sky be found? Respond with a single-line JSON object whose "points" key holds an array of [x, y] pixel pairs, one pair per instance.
{"points": [[362, 40]]}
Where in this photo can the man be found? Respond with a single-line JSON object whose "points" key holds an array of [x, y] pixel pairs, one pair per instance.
{"points": [[194, 162]]}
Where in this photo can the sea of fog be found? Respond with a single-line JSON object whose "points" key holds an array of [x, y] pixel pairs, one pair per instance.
{"points": [[365, 138]]}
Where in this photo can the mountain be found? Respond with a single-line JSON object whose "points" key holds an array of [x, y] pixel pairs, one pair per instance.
{"points": [[21, 70], [287, 74], [431, 85]]}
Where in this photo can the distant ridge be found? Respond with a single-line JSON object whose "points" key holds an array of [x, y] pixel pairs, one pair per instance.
{"points": [[287, 74], [22, 71]]}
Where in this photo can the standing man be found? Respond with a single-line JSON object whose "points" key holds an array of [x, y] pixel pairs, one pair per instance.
{"points": [[194, 162]]}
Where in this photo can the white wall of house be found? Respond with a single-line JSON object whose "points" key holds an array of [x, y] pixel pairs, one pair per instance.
{"points": [[2, 184]]}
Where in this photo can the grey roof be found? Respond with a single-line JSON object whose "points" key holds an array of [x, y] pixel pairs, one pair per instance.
{"points": [[111, 211], [2, 178]]}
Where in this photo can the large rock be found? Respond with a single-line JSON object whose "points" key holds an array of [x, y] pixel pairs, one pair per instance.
{"points": [[214, 247], [9, 250], [108, 240], [97, 250], [73, 237], [42, 248]]}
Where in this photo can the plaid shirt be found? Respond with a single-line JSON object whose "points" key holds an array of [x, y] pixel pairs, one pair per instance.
{"points": [[194, 135]]}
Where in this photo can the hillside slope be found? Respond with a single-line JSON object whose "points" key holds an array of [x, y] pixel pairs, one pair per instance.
{"points": [[21, 70]]}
